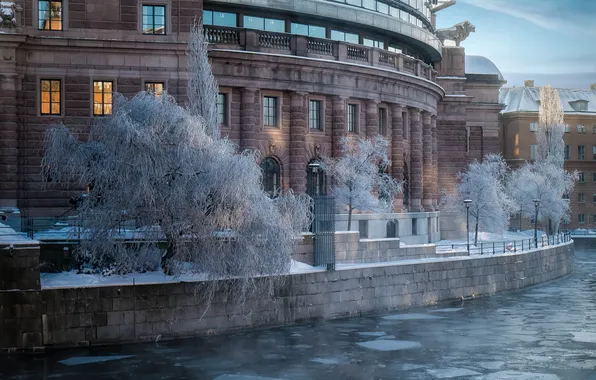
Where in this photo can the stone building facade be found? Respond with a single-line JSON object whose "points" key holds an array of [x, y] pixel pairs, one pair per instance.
{"points": [[294, 79], [519, 122]]}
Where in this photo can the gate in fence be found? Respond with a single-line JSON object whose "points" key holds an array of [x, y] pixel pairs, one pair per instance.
{"points": [[323, 229]]}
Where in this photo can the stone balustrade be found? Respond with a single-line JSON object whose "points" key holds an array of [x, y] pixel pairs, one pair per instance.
{"points": [[291, 44]]}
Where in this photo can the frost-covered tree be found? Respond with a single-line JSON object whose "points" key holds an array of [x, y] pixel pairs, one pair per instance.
{"points": [[483, 183], [550, 146], [359, 176], [157, 165]]}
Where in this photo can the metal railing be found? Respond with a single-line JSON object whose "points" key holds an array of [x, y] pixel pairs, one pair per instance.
{"points": [[582, 233], [298, 45], [507, 246]]}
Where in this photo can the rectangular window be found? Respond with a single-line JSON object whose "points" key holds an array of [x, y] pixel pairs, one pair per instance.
{"points": [[581, 198], [594, 129], [594, 198], [102, 98], [566, 152], [370, 4], [154, 19], [533, 127], [581, 177], [374, 43], [155, 87], [49, 15], [580, 128], [314, 114], [220, 18], [414, 226], [566, 128], [533, 152], [268, 24], [338, 35], [382, 8], [354, 2], [594, 219], [352, 117], [270, 111], [308, 30], [222, 109], [51, 97], [363, 229], [581, 218], [594, 152], [394, 12], [594, 177], [581, 152], [383, 121]]}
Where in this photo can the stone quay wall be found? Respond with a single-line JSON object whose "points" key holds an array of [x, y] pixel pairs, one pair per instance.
{"points": [[118, 314]]}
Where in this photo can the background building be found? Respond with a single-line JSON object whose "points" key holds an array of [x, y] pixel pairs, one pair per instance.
{"points": [[295, 77], [519, 121]]}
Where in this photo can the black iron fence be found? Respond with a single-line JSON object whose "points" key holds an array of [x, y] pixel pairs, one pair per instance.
{"points": [[323, 229], [507, 246]]}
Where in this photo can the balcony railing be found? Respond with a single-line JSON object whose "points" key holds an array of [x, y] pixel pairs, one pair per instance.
{"points": [[290, 44]]}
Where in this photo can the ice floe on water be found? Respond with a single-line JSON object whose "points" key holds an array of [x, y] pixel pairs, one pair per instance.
{"points": [[584, 337], [491, 365], [447, 310], [244, 377], [448, 373], [389, 345], [514, 375], [329, 361], [411, 316], [372, 333], [79, 360]]}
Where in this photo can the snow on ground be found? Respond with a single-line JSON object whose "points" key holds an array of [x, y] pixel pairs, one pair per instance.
{"points": [[486, 237], [9, 236]]}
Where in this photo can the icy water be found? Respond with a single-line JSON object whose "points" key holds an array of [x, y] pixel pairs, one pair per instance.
{"points": [[542, 333]]}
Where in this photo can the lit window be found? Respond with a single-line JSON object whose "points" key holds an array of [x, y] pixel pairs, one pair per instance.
{"points": [[580, 128], [155, 87], [102, 98], [49, 15], [581, 152], [383, 121], [222, 109], [50, 97], [352, 117], [271, 176], [581, 198], [533, 127], [314, 114], [533, 152], [268, 24], [270, 111], [220, 18], [154, 19]]}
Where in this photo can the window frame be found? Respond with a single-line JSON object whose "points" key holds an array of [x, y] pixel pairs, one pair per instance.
{"points": [[228, 104], [566, 152], [39, 95], [93, 81], [580, 128], [278, 108], [356, 117], [383, 129], [581, 177], [63, 19], [583, 156], [154, 82], [167, 12], [581, 218], [533, 126], [321, 101], [581, 198], [277, 172]]}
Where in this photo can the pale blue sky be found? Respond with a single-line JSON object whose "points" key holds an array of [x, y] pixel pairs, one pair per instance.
{"points": [[552, 40]]}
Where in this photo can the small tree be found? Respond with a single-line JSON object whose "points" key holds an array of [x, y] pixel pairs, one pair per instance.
{"points": [[484, 184], [359, 175], [550, 146]]}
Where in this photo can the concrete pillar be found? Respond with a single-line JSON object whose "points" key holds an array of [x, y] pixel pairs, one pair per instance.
{"points": [[415, 160], [397, 150], [435, 163], [338, 128], [372, 118], [298, 129], [249, 119], [427, 173], [8, 140]]}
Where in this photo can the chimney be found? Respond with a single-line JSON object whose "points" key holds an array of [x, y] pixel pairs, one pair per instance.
{"points": [[593, 87], [528, 83]]}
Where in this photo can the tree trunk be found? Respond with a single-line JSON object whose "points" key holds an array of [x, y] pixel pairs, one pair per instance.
{"points": [[350, 209], [476, 234], [165, 258]]}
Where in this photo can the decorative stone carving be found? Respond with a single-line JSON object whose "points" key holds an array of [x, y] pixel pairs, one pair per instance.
{"points": [[8, 12], [272, 146], [458, 32]]}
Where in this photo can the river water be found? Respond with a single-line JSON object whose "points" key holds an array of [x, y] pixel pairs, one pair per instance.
{"points": [[547, 332]]}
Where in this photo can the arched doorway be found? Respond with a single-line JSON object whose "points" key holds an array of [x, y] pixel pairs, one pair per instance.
{"points": [[271, 176]]}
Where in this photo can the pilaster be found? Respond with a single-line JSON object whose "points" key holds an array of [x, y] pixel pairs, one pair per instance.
{"points": [[416, 182], [397, 150], [372, 118], [427, 162], [339, 129], [248, 120], [298, 129]]}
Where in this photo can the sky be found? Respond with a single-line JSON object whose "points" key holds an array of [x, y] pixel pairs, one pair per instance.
{"points": [[550, 41]]}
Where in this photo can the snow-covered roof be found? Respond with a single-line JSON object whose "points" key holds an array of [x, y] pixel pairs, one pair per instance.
{"points": [[527, 99], [478, 65]]}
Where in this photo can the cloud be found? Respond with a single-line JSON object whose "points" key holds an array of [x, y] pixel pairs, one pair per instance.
{"points": [[574, 17]]}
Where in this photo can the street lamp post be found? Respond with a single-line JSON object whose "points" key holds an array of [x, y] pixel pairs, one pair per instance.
{"points": [[467, 203], [536, 204]]}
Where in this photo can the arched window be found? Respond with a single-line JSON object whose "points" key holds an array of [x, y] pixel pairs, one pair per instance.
{"points": [[316, 180], [271, 176]]}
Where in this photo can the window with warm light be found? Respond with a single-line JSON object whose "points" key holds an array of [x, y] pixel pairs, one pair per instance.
{"points": [[51, 100], [102, 98], [155, 88], [49, 15]]}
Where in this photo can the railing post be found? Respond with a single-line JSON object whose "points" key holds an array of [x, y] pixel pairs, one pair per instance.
{"points": [[399, 62], [342, 52], [482, 248], [514, 246], [493, 247], [251, 40], [373, 57], [418, 68], [242, 38], [299, 45], [504, 249]]}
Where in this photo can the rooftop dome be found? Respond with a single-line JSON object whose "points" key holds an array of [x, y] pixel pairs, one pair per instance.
{"points": [[478, 65]]}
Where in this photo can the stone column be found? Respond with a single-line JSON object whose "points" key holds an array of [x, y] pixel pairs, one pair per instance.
{"points": [[397, 150], [248, 119], [427, 149], [435, 163], [298, 129], [372, 118], [338, 129], [415, 160], [8, 140]]}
